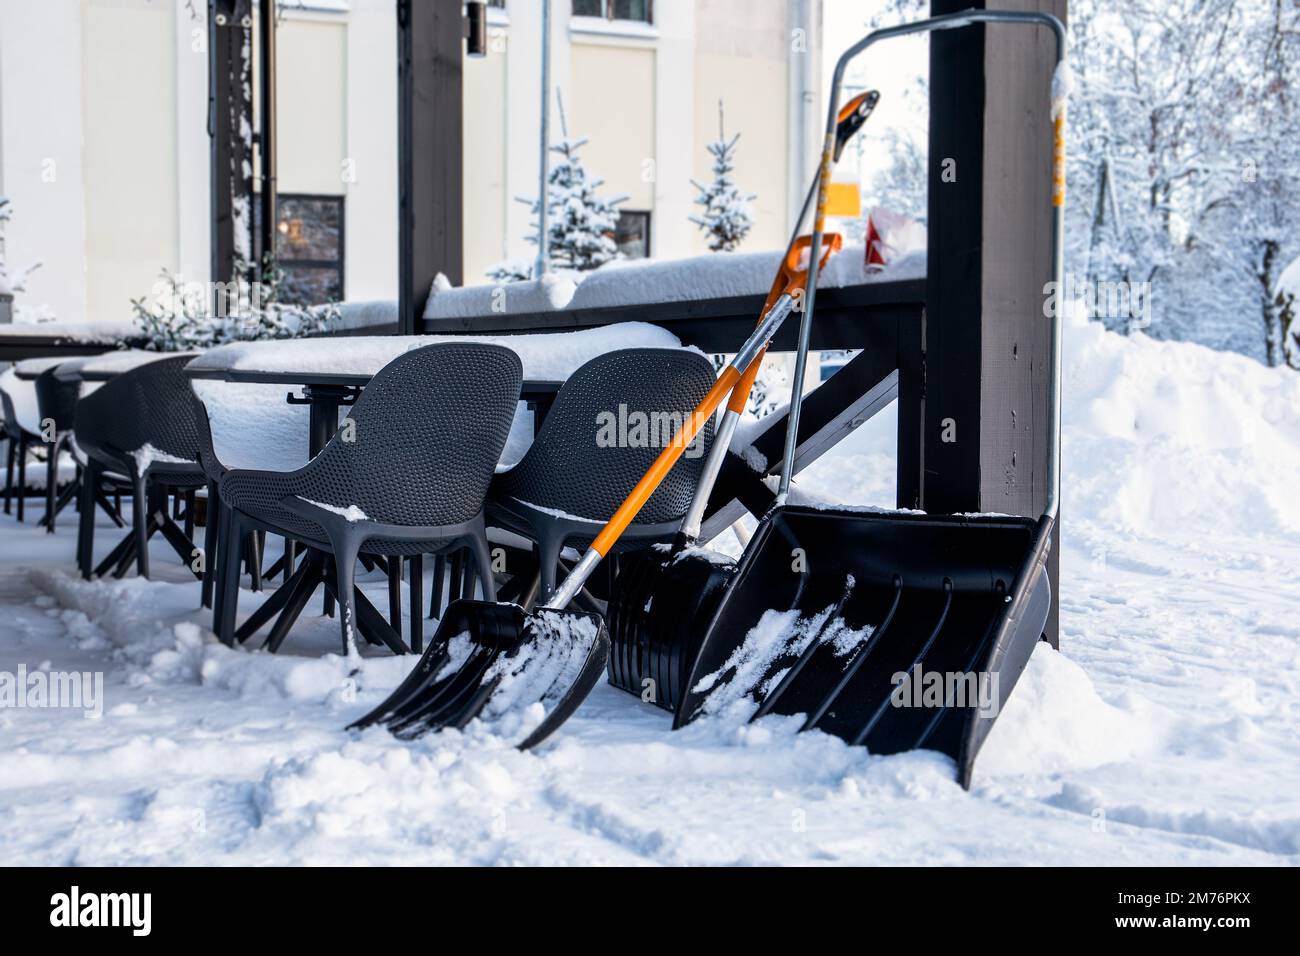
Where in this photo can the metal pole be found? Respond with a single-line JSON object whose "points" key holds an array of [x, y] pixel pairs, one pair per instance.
{"points": [[543, 256], [266, 134]]}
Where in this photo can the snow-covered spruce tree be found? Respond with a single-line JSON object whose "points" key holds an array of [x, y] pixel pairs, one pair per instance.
{"points": [[580, 222], [179, 316], [726, 209], [11, 281]]}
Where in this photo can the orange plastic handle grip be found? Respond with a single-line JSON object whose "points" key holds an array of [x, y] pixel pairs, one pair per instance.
{"points": [[791, 278]]}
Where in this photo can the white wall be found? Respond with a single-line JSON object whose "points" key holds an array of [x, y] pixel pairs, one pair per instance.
{"points": [[129, 151], [40, 54], [194, 227], [370, 111]]}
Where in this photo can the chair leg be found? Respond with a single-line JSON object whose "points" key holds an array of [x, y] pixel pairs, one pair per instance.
{"points": [[229, 551], [483, 558], [51, 485], [140, 525], [189, 513], [548, 557], [11, 454], [395, 592], [22, 477], [209, 545], [290, 557], [455, 575], [253, 560], [435, 591], [415, 565], [86, 520], [345, 561]]}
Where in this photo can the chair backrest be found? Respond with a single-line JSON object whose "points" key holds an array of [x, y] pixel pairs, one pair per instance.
{"points": [[425, 437], [18, 398], [151, 404], [57, 399], [609, 423], [11, 427]]}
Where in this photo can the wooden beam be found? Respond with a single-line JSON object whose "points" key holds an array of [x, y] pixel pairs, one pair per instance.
{"points": [[230, 111], [984, 445], [429, 135]]}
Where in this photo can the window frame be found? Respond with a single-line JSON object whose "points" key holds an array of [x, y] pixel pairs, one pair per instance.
{"points": [[649, 226], [289, 265], [607, 6]]}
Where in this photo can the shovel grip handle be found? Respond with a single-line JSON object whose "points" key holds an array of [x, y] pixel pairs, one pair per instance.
{"points": [[789, 280]]}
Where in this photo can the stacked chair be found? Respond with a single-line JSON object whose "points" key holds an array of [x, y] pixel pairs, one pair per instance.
{"points": [[140, 428], [21, 434]]}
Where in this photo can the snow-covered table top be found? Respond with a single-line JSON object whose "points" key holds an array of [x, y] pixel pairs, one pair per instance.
{"points": [[92, 333], [29, 369], [545, 357], [102, 367]]}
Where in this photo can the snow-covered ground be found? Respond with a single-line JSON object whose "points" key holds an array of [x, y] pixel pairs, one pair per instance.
{"points": [[1166, 731]]}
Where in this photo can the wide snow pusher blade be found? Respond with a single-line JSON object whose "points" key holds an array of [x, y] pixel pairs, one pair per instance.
{"points": [[523, 674], [893, 630]]}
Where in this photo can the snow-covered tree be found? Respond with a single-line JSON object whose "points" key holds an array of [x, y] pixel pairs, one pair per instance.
{"points": [[580, 222], [11, 280], [179, 316], [725, 216]]}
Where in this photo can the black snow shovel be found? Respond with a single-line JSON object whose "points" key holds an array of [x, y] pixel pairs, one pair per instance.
{"points": [[892, 630], [665, 595]]}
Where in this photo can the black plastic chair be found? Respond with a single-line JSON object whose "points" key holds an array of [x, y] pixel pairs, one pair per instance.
{"points": [[56, 400], [414, 469], [140, 424], [573, 477], [20, 442]]}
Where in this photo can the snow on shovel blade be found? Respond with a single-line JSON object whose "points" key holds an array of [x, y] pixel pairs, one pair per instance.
{"points": [[882, 606], [523, 674]]}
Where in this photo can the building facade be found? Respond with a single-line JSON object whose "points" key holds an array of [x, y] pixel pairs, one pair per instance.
{"points": [[104, 145]]}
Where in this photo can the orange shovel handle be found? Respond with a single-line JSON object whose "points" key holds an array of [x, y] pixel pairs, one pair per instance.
{"points": [[792, 277], [793, 272]]}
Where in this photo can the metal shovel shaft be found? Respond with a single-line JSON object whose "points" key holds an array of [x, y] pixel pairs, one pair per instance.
{"points": [[654, 476]]}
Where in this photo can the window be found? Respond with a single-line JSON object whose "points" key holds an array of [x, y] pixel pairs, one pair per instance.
{"points": [[632, 234], [308, 247], [639, 10]]}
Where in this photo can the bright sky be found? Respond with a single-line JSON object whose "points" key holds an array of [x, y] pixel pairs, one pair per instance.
{"points": [[890, 67]]}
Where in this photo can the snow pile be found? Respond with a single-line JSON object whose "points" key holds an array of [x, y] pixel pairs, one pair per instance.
{"points": [[552, 291], [1164, 436]]}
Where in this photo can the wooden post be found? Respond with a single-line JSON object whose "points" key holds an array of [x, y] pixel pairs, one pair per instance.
{"points": [[430, 173], [266, 153], [230, 111], [985, 352]]}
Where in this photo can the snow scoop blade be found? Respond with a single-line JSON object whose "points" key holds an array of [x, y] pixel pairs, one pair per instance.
{"points": [[523, 674], [848, 618], [658, 610]]}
